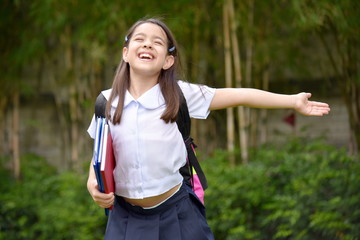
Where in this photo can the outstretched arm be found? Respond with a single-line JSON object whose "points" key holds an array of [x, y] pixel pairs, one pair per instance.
{"points": [[230, 97]]}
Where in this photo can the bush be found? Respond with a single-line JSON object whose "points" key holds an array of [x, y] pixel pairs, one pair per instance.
{"points": [[303, 190], [47, 205]]}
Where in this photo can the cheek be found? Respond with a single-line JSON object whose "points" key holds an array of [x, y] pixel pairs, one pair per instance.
{"points": [[131, 53], [163, 53]]}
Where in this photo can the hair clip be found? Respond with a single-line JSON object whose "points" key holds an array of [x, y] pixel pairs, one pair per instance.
{"points": [[172, 49], [126, 38]]}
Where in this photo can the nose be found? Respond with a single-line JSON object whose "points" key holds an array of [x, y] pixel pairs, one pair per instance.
{"points": [[147, 44]]}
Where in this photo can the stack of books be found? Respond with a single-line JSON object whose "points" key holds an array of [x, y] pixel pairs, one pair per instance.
{"points": [[103, 158]]}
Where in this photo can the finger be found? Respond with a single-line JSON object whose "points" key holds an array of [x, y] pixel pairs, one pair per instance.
{"points": [[110, 202], [108, 195], [319, 111], [321, 104], [102, 198], [322, 108], [106, 203]]}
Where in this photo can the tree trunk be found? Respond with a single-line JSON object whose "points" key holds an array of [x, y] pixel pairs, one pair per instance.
{"points": [[252, 113], [352, 92], [15, 136], [74, 134], [249, 44], [60, 109], [2, 125], [196, 131], [73, 103], [263, 112], [353, 107], [347, 74], [243, 136], [228, 83]]}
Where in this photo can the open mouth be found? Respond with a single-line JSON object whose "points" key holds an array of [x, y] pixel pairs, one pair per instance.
{"points": [[146, 56]]}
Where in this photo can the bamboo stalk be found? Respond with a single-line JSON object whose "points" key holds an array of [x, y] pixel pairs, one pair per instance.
{"points": [[15, 136], [228, 83], [243, 136]]}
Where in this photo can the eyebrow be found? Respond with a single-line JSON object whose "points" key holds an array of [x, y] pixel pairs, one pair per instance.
{"points": [[155, 37]]}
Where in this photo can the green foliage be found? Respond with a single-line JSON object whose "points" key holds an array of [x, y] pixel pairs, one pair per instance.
{"points": [[303, 190], [47, 205]]}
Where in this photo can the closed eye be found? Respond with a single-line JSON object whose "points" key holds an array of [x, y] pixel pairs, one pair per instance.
{"points": [[158, 43]]}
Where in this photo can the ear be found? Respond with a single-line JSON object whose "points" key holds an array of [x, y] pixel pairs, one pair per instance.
{"points": [[125, 53], [169, 61]]}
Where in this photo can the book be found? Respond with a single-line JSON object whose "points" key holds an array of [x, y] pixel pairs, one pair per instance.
{"points": [[97, 151], [103, 158], [98, 144], [107, 163], [97, 140]]}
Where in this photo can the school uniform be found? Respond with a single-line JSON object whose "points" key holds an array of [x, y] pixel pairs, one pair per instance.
{"points": [[149, 154]]}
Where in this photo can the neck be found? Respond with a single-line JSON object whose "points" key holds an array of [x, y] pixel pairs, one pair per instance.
{"points": [[139, 84]]}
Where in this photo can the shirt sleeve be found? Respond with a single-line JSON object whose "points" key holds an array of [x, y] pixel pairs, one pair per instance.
{"points": [[92, 127], [198, 98]]}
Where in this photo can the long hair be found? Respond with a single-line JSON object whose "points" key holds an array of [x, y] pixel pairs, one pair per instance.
{"points": [[167, 78]]}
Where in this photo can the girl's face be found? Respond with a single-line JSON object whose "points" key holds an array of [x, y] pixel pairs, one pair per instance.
{"points": [[147, 51]]}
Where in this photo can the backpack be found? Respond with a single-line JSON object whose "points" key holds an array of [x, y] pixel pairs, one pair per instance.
{"points": [[191, 171]]}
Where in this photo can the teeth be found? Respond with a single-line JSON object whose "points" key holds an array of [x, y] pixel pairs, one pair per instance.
{"points": [[145, 55]]}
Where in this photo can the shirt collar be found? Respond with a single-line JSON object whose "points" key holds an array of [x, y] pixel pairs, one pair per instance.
{"points": [[151, 99]]}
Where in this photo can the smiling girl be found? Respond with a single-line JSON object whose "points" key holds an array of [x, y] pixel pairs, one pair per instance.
{"points": [[150, 200]]}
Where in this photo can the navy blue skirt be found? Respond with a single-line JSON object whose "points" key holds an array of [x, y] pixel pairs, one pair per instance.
{"points": [[181, 217]]}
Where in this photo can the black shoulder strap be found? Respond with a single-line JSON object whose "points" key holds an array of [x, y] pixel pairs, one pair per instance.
{"points": [[184, 124], [100, 106], [183, 120]]}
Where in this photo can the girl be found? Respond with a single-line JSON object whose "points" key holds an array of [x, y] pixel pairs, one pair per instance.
{"points": [[150, 200]]}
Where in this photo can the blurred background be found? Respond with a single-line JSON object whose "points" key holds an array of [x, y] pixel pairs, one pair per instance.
{"points": [[283, 175]]}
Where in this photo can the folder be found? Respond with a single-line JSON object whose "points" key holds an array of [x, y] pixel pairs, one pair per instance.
{"points": [[103, 158], [97, 151], [107, 162]]}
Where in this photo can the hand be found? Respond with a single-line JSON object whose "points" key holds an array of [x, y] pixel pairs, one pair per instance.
{"points": [[102, 199], [310, 108]]}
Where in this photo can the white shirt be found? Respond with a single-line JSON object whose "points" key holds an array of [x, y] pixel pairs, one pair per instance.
{"points": [[148, 151]]}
